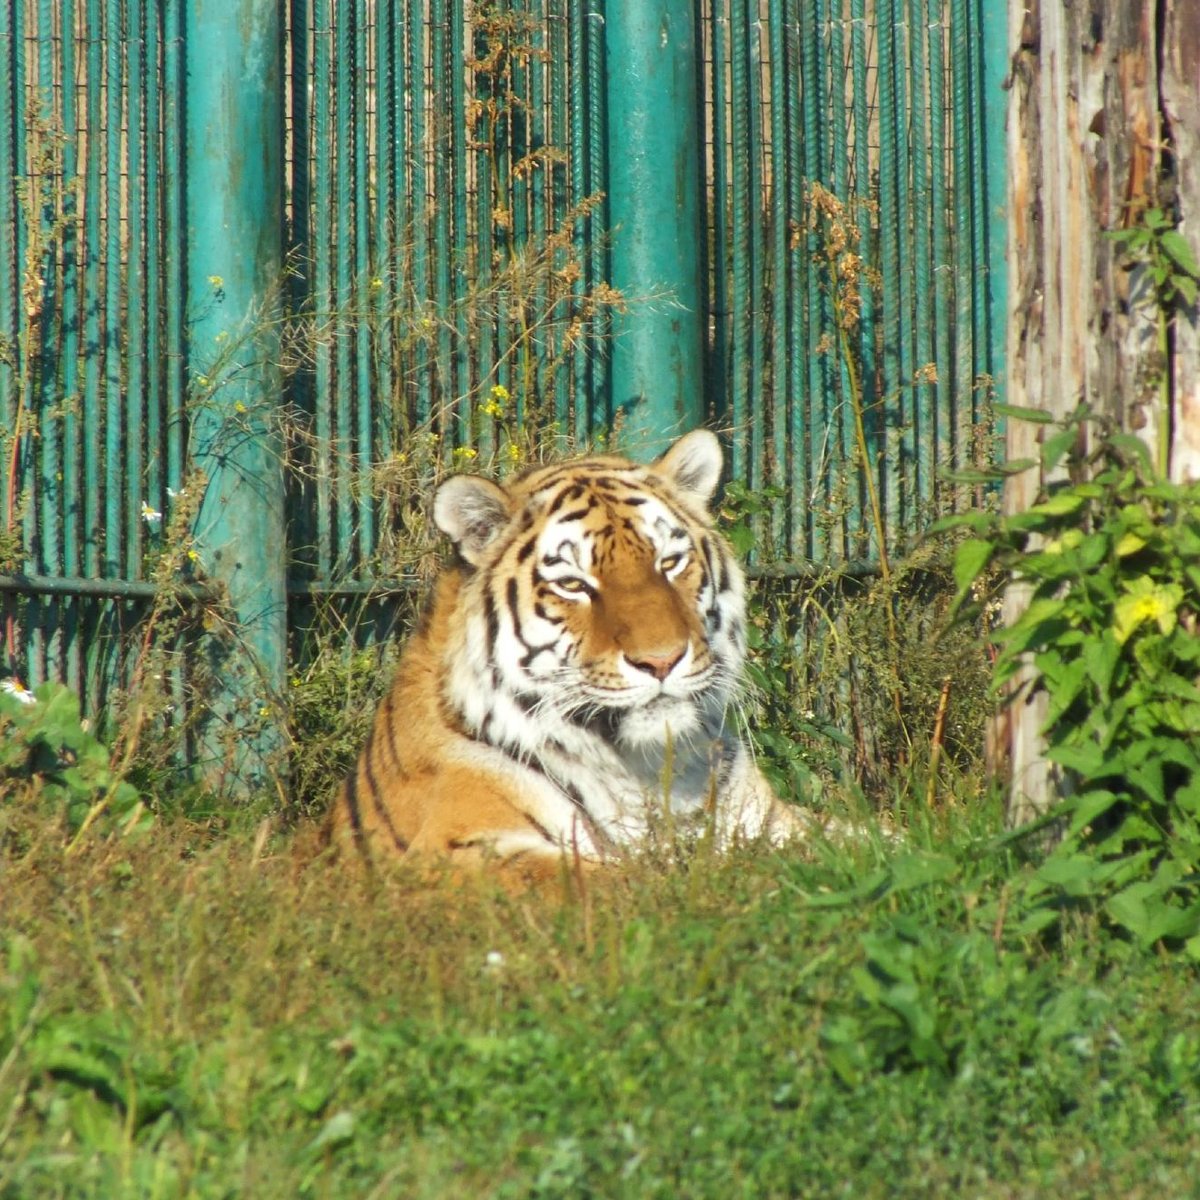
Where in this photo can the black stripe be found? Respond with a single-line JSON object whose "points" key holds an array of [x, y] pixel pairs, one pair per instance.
{"points": [[577, 514], [565, 497], [526, 550], [512, 597], [492, 620], [531, 652], [377, 796], [389, 712], [542, 612], [349, 798]]}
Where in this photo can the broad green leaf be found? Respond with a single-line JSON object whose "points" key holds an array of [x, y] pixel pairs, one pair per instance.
{"points": [[970, 558], [1053, 448], [1059, 504], [1180, 252], [1020, 412]]}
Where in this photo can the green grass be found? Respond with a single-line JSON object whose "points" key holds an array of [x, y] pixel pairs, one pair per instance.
{"points": [[186, 1014]]}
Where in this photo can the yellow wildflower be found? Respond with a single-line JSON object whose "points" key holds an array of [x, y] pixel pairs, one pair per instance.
{"points": [[1144, 601]]}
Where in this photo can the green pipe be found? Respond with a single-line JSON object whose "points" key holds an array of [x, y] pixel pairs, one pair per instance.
{"points": [[235, 260], [113, 589], [654, 177]]}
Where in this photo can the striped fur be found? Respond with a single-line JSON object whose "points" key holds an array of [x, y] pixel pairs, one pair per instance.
{"points": [[573, 678]]}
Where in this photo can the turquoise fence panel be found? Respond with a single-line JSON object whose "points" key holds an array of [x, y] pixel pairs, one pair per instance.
{"points": [[91, 331], [448, 196], [855, 167]]}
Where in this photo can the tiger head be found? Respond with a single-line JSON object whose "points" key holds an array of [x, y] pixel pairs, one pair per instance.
{"points": [[598, 598]]}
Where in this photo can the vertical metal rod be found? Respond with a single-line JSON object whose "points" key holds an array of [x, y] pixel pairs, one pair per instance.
{"points": [[892, 284], [388, 48], [418, 185], [837, 67], [865, 196], [919, 232], [741, 247], [154, 261], [964, 364], [342, 158], [9, 268], [719, 382], [942, 268], [460, 237], [578, 110], [364, 171], [322, 251], [800, 481], [755, 216], [557, 191], [49, 364], [782, 170], [174, 141], [904, 405], [135, 294], [993, 105], [600, 267], [72, 269], [114, 559], [92, 256], [235, 219], [441, 118], [654, 175], [821, 431]]}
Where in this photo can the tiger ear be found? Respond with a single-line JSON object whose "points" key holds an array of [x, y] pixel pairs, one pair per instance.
{"points": [[471, 510], [693, 464]]}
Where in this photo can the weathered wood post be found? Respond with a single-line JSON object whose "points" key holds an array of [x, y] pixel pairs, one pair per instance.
{"points": [[1097, 137]]}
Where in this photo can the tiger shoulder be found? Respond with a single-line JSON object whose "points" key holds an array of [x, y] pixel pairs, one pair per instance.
{"points": [[575, 680]]}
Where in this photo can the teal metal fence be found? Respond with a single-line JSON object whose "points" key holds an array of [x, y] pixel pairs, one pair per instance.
{"points": [[266, 271]]}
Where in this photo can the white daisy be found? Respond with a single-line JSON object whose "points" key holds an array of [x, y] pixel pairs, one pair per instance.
{"points": [[17, 690]]}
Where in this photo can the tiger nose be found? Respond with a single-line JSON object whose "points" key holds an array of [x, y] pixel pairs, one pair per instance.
{"points": [[658, 665]]}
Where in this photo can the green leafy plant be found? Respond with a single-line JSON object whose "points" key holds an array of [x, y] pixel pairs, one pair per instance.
{"points": [[1174, 272], [1111, 559], [48, 752]]}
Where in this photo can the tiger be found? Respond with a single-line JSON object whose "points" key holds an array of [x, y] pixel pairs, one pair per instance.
{"points": [[574, 683]]}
